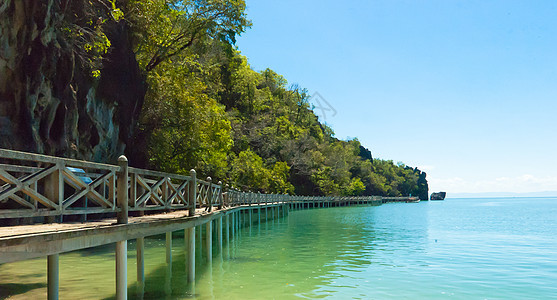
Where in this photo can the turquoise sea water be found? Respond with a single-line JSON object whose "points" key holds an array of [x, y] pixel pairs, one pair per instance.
{"points": [[498, 248]]}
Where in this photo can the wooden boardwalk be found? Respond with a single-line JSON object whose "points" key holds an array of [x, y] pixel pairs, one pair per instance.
{"points": [[31, 241], [135, 203]]}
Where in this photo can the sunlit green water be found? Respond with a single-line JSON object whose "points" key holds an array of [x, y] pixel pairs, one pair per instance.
{"points": [[459, 249]]}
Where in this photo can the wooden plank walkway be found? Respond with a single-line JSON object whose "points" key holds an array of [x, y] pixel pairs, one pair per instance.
{"points": [[31, 241]]}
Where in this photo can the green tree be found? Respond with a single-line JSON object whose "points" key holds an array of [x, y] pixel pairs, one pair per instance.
{"points": [[356, 187], [187, 129], [165, 28]]}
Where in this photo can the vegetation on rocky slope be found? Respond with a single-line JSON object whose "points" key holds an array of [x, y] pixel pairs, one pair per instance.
{"points": [[164, 80]]}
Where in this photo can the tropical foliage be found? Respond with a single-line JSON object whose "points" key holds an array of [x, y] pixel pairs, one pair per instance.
{"points": [[206, 108]]}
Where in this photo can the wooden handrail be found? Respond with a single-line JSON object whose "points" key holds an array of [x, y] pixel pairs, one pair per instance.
{"points": [[45, 190], [25, 156]]}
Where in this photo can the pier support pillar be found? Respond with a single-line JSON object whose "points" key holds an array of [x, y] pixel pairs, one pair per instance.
{"points": [[140, 254], [209, 241], [219, 234], [227, 225], [169, 247], [200, 244], [233, 225], [236, 221], [53, 276], [190, 236], [249, 220], [121, 270]]}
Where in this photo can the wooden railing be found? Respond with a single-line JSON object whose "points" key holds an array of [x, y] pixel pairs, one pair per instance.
{"points": [[39, 185]]}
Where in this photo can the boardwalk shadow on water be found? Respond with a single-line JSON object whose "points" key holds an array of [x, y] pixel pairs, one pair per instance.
{"points": [[13, 289]]}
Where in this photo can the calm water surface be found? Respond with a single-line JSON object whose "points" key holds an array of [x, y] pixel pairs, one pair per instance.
{"points": [[498, 248]]}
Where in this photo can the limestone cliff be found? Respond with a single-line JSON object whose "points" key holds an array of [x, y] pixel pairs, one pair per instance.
{"points": [[50, 101]]}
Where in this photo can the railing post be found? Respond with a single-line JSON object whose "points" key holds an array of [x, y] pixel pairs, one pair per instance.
{"points": [[210, 194], [221, 198], [231, 198], [226, 196], [54, 191], [192, 192], [123, 190]]}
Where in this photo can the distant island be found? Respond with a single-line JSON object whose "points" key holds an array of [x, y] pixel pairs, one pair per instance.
{"points": [[438, 196]]}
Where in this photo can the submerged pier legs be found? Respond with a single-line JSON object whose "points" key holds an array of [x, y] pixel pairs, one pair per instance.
{"points": [[233, 221], [140, 253], [227, 226], [169, 247], [209, 241], [190, 242], [122, 270], [53, 276], [168, 276], [219, 234]]}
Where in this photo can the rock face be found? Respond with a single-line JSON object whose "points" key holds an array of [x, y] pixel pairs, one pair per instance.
{"points": [[422, 185], [49, 101], [438, 196]]}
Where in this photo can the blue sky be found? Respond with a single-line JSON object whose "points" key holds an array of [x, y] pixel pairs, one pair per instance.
{"points": [[465, 90]]}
